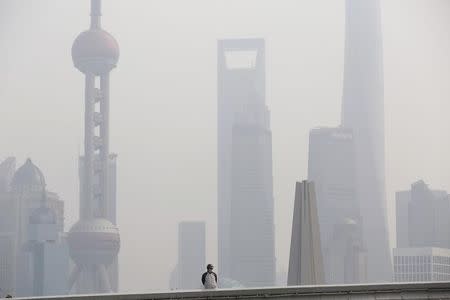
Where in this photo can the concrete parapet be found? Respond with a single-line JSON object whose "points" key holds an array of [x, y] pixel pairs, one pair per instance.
{"points": [[429, 290]]}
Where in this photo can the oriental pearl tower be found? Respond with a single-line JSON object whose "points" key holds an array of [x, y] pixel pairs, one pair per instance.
{"points": [[94, 240]]}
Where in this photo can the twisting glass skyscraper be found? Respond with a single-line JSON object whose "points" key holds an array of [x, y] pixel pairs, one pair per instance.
{"points": [[363, 112], [245, 192]]}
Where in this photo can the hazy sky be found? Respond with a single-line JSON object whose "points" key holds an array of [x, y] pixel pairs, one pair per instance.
{"points": [[163, 105]]}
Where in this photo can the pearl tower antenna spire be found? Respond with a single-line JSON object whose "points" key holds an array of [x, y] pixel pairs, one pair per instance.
{"points": [[96, 13], [94, 240]]}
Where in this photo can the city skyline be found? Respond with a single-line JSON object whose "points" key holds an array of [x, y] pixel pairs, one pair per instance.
{"points": [[131, 166]]}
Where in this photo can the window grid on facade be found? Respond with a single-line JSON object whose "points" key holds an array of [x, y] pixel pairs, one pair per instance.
{"points": [[421, 268]]}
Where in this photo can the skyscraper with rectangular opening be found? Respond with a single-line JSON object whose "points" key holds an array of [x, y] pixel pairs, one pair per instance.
{"points": [[245, 192]]}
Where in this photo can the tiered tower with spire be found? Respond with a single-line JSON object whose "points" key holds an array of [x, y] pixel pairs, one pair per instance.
{"points": [[94, 241]]}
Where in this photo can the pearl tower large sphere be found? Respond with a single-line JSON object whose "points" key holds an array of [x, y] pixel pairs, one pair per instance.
{"points": [[95, 51], [94, 242]]}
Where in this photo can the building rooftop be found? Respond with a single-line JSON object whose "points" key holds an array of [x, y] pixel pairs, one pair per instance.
{"points": [[28, 175]]}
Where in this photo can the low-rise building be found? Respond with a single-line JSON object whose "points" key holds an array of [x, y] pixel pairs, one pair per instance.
{"points": [[421, 264]]}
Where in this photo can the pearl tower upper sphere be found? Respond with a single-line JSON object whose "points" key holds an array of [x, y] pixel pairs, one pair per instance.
{"points": [[95, 51]]}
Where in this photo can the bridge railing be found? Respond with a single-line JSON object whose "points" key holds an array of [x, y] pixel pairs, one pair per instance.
{"points": [[429, 290]]}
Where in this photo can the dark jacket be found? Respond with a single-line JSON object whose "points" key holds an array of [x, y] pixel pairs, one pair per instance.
{"points": [[204, 277]]}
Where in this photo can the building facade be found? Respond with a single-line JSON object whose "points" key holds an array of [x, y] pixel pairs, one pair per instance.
{"points": [[421, 264], [191, 254], [423, 217], [50, 254], [20, 196], [7, 228], [363, 113], [331, 166], [246, 242], [7, 265], [423, 235], [27, 187], [346, 254]]}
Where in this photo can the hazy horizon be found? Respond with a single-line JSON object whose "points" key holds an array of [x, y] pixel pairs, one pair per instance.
{"points": [[164, 105]]}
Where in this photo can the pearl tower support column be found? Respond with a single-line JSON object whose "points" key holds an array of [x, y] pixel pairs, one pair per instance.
{"points": [[88, 146], [104, 136], [94, 241]]}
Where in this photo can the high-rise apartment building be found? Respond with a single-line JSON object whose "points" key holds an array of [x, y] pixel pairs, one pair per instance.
{"points": [[363, 113], [245, 192]]}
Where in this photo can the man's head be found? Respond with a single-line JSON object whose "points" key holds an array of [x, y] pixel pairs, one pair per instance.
{"points": [[209, 268]]}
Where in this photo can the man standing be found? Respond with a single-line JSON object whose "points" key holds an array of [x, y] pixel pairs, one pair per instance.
{"points": [[209, 278]]}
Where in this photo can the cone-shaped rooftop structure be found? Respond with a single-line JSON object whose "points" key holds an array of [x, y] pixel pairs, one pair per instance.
{"points": [[305, 260]]}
